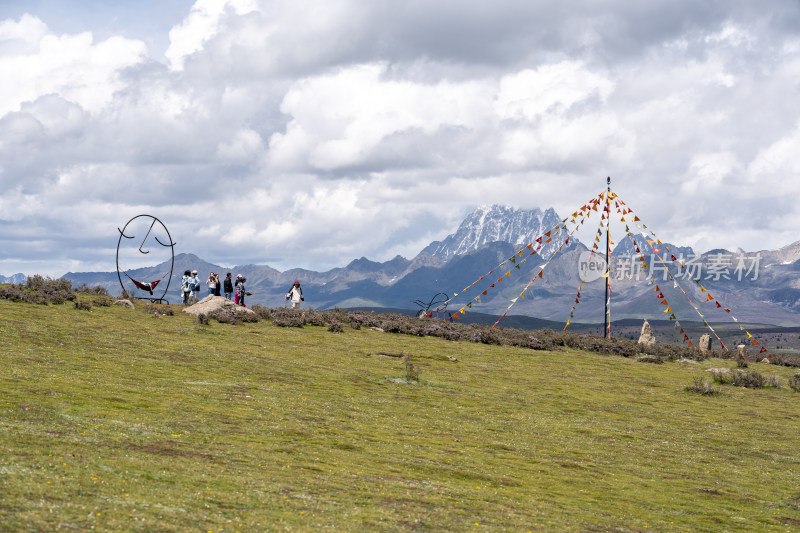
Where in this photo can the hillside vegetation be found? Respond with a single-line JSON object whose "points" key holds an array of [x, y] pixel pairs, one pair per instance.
{"points": [[130, 420]]}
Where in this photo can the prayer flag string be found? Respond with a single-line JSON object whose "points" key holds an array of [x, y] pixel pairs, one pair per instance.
{"points": [[709, 297]]}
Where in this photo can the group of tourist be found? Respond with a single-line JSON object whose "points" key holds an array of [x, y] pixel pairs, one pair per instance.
{"points": [[234, 290]]}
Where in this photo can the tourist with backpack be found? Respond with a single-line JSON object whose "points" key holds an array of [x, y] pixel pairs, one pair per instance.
{"points": [[186, 287]]}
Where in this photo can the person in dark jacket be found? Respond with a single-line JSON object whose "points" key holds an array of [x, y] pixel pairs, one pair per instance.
{"points": [[229, 286]]}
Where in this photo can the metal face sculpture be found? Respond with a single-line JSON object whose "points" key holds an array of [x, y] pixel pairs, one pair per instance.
{"points": [[154, 228], [438, 302]]}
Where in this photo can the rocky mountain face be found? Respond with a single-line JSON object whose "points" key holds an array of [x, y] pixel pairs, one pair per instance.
{"points": [[761, 287], [626, 247], [495, 223]]}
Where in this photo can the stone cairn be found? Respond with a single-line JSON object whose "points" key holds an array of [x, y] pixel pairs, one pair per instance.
{"points": [[646, 338], [705, 343]]}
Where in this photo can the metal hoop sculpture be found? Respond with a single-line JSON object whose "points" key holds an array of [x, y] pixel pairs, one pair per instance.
{"points": [[149, 286], [438, 302]]}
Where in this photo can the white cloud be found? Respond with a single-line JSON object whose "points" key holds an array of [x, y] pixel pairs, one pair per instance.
{"points": [[311, 133], [531, 93], [71, 66], [28, 31], [243, 147], [708, 172], [201, 24], [778, 161], [732, 35], [16, 206], [339, 119]]}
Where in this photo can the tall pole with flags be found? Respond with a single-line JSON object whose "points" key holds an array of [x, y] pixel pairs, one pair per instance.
{"points": [[607, 323]]}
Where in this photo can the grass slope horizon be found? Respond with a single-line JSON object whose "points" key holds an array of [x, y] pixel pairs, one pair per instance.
{"points": [[121, 419]]}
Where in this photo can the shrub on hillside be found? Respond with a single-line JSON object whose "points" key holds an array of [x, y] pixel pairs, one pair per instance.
{"points": [[335, 327], [313, 318], [722, 376], [792, 361], [83, 306], [16, 293], [394, 324], [794, 383], [264, 313], [39, 290], [358, 319], [102, 302], [232, 316], [491, 336], [752, 379], [162, 310], [48, 285], [648, 358], [544, 339], [741, 361], [412, 371], [337, 315], [702, 386], [85, 289], [288, 320]]}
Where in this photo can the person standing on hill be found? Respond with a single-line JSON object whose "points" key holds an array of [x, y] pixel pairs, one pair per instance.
{"points": [[186, 287], [295, 294], [229, 286], [218, 287], [196, 286], [240, 290], [212, 284]]}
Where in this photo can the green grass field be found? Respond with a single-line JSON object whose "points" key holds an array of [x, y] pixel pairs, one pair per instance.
{"points": [[121, 421]]}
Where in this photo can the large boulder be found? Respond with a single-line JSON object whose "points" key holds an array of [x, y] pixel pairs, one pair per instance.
{"points": [[646, 337], [210, 304]]}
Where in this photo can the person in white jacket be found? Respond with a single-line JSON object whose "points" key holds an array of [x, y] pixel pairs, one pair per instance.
{"points": [[295, 294]]}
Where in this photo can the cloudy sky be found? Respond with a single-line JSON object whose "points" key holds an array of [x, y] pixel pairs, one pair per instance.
{"points": [[306, 134]]}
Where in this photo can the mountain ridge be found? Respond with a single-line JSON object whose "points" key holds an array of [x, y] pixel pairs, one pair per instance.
{"points": [[769, 292]]}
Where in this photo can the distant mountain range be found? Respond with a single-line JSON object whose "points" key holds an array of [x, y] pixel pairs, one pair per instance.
{"points": [[768, 291], [16, 278]]}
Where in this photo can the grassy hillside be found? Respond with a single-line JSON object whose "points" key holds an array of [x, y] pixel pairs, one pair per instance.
{"points": [[117, 419]]}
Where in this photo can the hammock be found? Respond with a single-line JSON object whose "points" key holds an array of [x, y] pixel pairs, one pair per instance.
{"points": [[149, 286]]}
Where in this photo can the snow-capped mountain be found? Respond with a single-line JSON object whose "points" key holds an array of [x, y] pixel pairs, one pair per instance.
{"points": [[16, 278], [493, 223]]}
